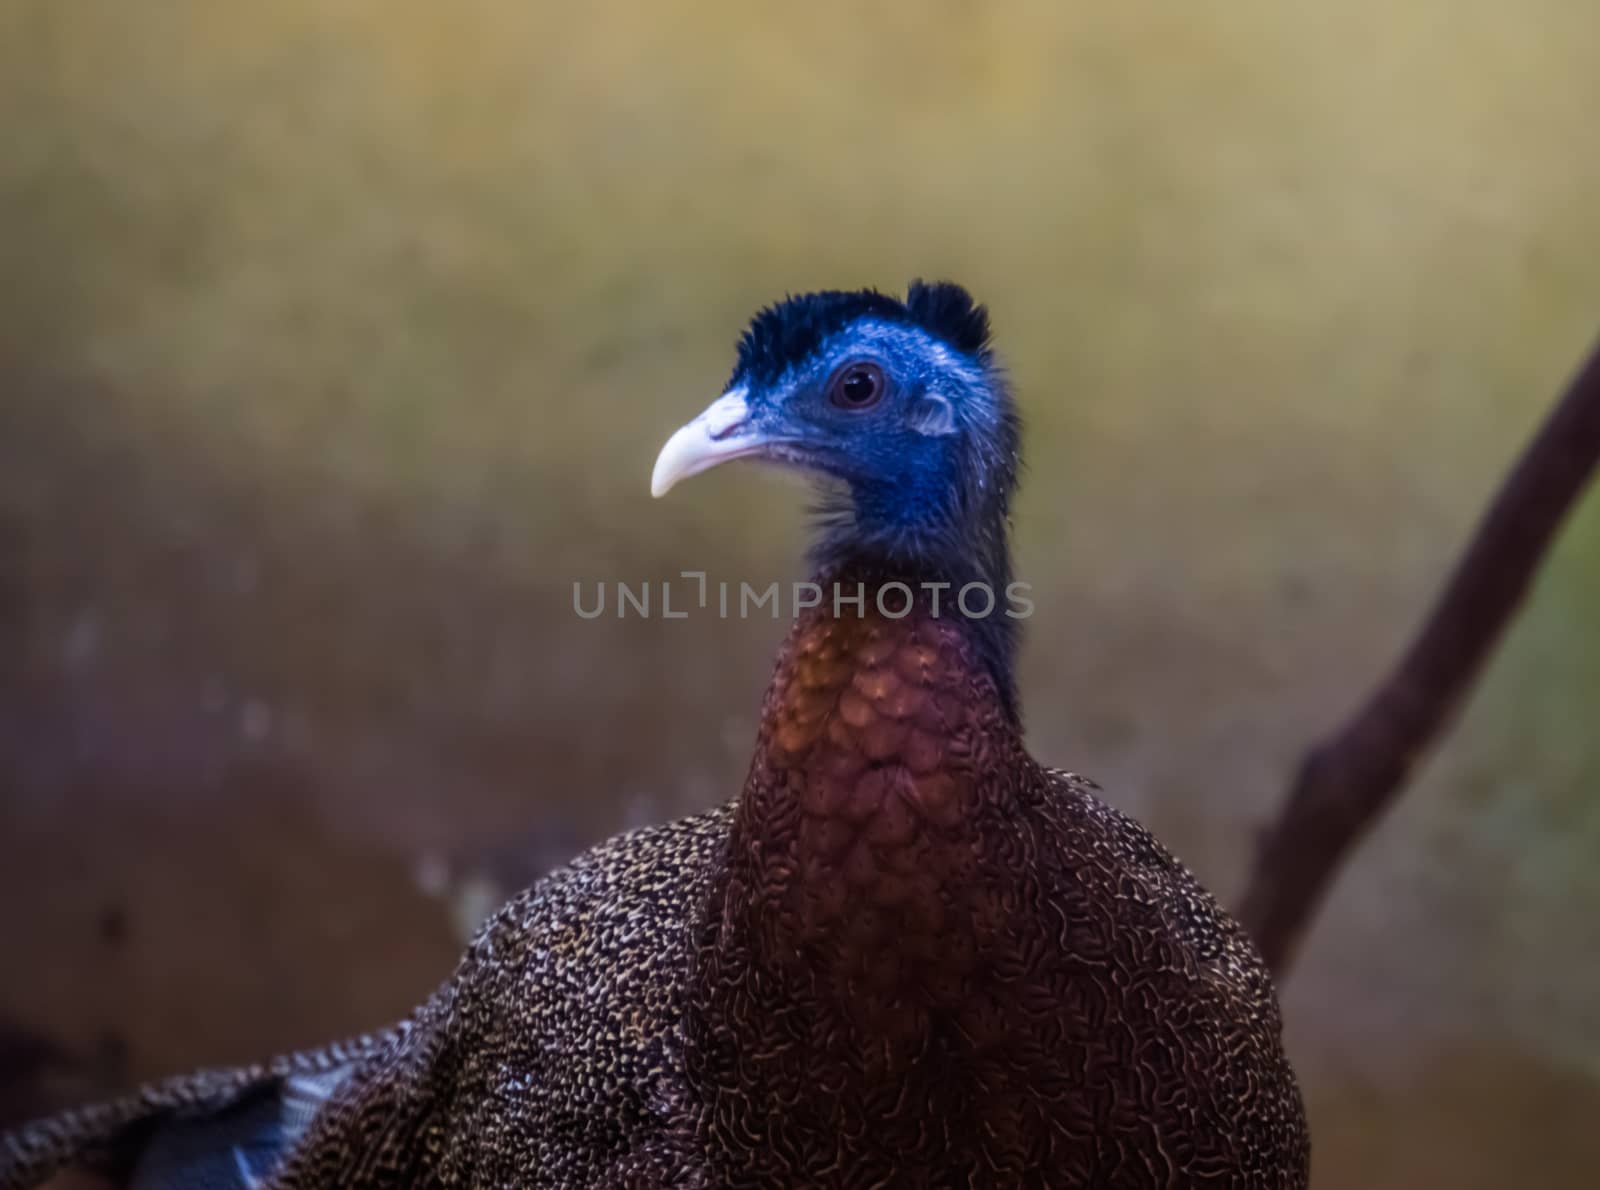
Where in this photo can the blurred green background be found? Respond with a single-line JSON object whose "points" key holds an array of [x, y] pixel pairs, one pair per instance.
{"points": [[337, 339]]}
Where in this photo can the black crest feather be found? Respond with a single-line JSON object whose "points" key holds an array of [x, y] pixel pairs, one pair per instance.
{"points": [[946, 310], [785, 333]]}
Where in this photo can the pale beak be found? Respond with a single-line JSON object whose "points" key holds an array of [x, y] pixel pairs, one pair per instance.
{"points": [[721, 433]]}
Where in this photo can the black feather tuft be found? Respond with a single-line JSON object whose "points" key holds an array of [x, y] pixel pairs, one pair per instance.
{"points": [[785, 333], [945, 309]]}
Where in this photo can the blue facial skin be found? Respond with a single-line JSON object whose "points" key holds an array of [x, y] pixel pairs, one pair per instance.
{"points": [[923, 477]]}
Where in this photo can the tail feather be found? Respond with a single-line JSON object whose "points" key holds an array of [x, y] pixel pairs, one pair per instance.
{"points": [[239, 1147], [215, 1130]]}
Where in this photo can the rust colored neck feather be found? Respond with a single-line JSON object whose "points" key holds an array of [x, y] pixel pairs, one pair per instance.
{"points": [[884, 760], [858, 963]]}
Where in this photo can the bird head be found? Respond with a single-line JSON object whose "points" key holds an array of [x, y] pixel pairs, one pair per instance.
{"points": [[898, 407]]}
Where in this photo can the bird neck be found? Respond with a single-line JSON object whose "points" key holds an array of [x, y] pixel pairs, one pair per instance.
{"points": [[885, 747], [960, 574], [871, 880]]}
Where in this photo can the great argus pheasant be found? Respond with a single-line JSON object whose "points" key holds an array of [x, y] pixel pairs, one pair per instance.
{"points": [[905, 955]]}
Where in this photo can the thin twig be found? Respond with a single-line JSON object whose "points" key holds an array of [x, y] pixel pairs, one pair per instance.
{"points": [[1348, 779]]}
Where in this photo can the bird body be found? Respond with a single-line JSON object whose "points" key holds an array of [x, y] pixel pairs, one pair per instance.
{"points": [[906, 954], [929, 961]]}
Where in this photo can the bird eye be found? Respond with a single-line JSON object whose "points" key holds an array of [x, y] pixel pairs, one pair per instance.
{"points": [[857, 386]]}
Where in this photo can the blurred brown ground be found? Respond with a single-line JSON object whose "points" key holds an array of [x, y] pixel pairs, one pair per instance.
{"points": [[337, 339]]}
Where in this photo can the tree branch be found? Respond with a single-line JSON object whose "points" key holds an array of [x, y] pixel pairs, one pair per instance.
{"points": [[1349, 778]]}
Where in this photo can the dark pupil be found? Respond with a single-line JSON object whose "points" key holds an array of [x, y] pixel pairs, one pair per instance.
{"points": [[859, 387]]}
